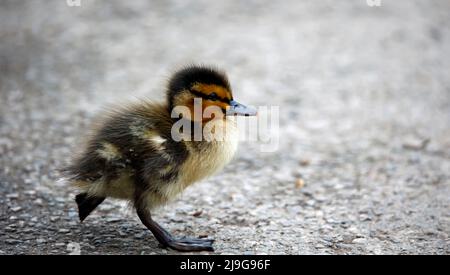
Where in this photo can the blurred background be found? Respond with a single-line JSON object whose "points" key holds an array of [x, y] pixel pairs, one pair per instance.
{"points": [[363, 164]]}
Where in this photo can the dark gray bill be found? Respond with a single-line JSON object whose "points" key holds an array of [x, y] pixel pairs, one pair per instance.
{"points": [[238, 109]]}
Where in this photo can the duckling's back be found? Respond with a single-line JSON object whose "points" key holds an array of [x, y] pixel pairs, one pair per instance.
{"points": [[133, 139]]}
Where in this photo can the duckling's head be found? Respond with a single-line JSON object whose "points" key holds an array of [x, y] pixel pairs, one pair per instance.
{"points": [[195, 85]]}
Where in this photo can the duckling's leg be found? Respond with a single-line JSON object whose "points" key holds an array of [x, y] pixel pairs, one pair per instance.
{"points": [[87, 204], [164, 237]]}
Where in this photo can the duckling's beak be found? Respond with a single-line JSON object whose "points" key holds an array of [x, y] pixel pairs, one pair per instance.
{"points": [[238, 109]]}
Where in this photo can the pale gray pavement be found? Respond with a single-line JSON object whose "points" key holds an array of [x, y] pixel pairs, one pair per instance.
{"points": [[360, 89]]}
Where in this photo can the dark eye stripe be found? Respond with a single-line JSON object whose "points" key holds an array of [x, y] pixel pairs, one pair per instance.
{"points": [[207, 97], [196, 93], [213, 96]]}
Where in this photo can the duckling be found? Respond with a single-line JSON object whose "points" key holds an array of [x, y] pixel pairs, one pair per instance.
{"points": [[136, 155]]}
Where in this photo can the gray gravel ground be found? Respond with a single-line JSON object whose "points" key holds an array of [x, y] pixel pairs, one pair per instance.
{"points": [[364, 96]]}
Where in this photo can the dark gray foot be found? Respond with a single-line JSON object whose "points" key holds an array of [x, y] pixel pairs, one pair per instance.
{"points": [[86, 204], [187, 244], [166, 239]]}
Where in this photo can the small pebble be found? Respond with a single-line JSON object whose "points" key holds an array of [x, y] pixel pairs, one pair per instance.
{"points": [[304, 162], [359, 241], [197, 213], [16, 209], [139, 235], [416, 144], [41, 241], [11, 241], [113, 219], [300, 183], [38, 202], [30, 192], [13, 196]]}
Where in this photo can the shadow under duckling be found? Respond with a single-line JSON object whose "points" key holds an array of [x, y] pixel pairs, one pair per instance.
{"points": [[137, 155]]}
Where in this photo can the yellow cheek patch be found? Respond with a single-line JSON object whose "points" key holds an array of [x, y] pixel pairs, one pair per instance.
{"points": [[213, 113], [207, 89]]}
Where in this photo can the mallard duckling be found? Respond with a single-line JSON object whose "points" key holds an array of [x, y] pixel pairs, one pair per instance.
{"points": [[135, 155]]}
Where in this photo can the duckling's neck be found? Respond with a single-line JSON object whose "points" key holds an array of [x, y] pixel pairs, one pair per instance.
{"points": [[216, 130]]}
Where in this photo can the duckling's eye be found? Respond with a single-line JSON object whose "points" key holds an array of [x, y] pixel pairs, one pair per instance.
{"points": [[213, 96]]}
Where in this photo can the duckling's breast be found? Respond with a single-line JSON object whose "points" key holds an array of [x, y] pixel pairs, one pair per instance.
{"points": [[204, 159], [209, 157]]}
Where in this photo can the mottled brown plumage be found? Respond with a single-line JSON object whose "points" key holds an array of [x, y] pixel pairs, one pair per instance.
{"points": [[133, 154]]}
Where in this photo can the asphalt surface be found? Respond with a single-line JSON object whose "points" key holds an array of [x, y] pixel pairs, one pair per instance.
{"points": [[363, 162]]}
